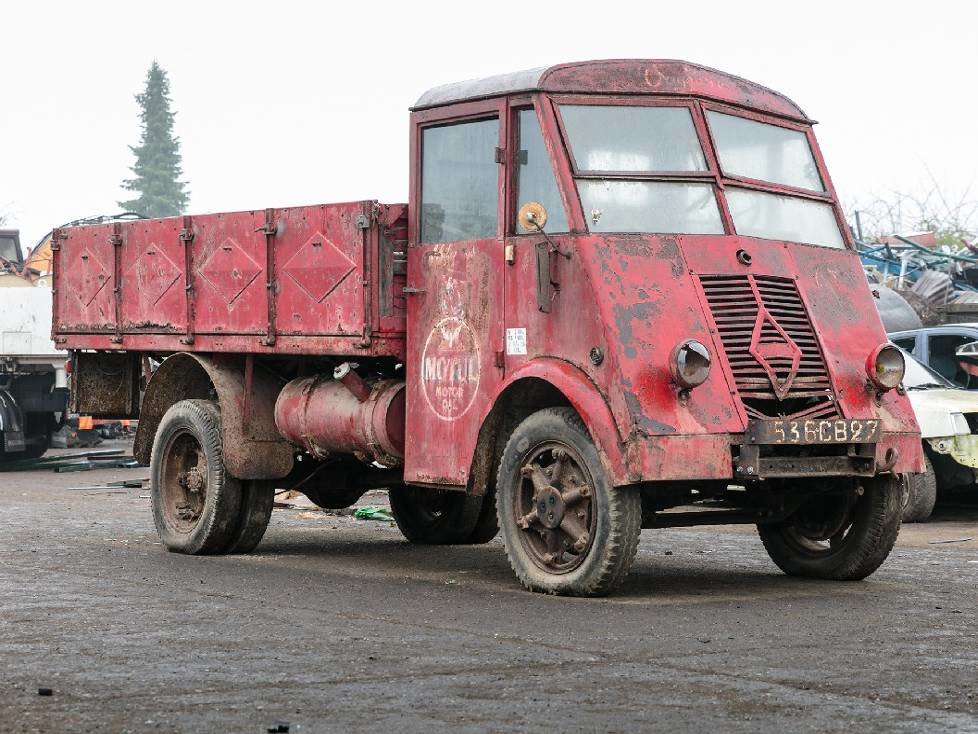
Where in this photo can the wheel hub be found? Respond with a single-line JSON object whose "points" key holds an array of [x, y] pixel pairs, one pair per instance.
{"points": [[192, 480], [550, 507], [183, 482], [555, 508]]}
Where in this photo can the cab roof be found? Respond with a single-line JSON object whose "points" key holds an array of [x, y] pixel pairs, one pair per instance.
{"points": [[619, 76]]}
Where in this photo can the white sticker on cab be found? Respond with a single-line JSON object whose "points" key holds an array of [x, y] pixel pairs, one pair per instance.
{"points": [[515, 341]]}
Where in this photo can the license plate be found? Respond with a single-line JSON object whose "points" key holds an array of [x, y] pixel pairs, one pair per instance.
{"points": [[814, 431], [13, 441]]}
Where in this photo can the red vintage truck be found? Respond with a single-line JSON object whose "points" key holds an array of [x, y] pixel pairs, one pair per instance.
{"points": [[621, 295]]}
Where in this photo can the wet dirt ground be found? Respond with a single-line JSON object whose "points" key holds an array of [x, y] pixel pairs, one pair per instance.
{"points": [[337, 624]]}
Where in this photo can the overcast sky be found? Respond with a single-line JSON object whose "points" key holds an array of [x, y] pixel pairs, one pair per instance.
{"points": [[286, 103]]}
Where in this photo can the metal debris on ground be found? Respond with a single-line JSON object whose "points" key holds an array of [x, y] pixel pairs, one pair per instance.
{"points": [[121, 484], [79, 461], [370, 512], [950, 540]]}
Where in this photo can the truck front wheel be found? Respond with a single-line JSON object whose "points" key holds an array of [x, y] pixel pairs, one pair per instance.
{"points": [[196, 504], [565, 528], [838, 536]]}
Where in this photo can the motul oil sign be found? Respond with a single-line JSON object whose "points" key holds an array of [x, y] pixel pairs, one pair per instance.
{"points": [[450, 368]]}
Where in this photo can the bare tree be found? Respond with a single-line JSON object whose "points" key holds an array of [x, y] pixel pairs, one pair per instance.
{"points": [[954, 218]]}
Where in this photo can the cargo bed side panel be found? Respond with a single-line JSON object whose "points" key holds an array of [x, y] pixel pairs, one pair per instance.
{"points": [[229, 264], [153, 297], [319, 268], [85, 278], [317, 264]]}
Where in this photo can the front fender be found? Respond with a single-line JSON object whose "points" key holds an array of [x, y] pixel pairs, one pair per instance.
{"points": [[585, 397]]}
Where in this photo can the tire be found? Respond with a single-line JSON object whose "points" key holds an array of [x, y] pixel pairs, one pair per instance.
{"points": [[860, 533], [257, 500], [37, 427], [196, 504], [596, 524], [434, 517], [486, 525], [921, 494]]}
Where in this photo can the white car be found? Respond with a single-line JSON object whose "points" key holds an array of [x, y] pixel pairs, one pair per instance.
{"points": [[948, 418]]}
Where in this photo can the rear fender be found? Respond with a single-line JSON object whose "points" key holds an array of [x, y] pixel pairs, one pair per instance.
{"points": [[253, 447]]}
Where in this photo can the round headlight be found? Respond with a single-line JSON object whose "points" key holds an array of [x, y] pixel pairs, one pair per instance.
{"points": [[886, 366], [690, 364]]}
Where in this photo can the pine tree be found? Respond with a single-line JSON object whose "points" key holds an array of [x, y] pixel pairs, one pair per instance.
{"points": [[157, 170]]}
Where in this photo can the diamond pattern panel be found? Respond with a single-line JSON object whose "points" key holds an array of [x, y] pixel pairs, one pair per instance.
{"points": [[153, 273], [318, 267], [92, 277], [229, 269]]}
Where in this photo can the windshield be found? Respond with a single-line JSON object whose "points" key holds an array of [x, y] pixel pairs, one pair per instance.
{"points": [[650, 206], [919, 375], [8, 248], [777, 217], [633, 139], [643, 169], [764, 152]]}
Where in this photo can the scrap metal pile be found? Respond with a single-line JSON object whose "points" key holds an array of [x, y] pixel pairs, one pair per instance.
{"points": [[941, 284]]}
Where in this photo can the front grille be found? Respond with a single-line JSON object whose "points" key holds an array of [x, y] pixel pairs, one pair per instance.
{"points": [[735, 302]]}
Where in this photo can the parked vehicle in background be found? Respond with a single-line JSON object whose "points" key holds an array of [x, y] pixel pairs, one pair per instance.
{"points": [[33, 384], [937, 347], [80, 432], [618, 288], [895, 311], [948, 419]]}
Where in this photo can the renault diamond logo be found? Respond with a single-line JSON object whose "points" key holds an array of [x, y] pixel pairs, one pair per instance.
{"points": [[776, 352]]}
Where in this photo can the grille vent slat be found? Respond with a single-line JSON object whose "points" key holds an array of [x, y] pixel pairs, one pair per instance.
{"points": [[734, 309]]}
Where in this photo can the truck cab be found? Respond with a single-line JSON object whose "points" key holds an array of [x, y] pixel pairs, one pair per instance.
{"points": [[33, 391], [621, 295]]}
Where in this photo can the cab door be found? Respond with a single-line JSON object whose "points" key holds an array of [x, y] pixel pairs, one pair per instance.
{"points": [[532, 329], [455, 291]]}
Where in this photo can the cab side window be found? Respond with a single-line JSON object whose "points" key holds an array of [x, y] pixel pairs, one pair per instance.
{"points": [[535, 175], [941, 350], [459, 181], [907, 343]]}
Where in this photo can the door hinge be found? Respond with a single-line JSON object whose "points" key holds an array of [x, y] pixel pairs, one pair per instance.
{"points": [[500, 155]]}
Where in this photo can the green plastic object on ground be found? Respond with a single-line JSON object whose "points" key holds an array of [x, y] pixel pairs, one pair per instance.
{"points": [[372, 513]]}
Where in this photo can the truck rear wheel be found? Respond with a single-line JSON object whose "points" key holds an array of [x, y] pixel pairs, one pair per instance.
{"points": [[257, 500], [196, 504], [838, 536], [565, 528], [435, 517], [921, 494]]}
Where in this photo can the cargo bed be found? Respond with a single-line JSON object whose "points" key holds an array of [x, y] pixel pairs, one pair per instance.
{"points": [[323, 279]]}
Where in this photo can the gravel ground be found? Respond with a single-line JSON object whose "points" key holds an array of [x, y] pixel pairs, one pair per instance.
{"points": [[337, 624]]}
